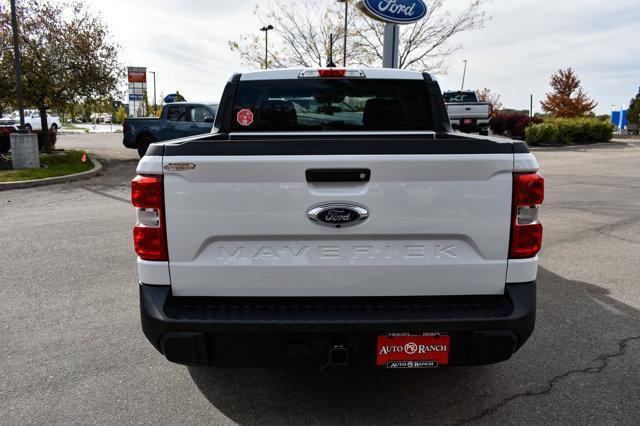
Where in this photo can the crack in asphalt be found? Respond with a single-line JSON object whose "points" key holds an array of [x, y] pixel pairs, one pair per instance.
{"points": [[616, 237], [602, 359]]}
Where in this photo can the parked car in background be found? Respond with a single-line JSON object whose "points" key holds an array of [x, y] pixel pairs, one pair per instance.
{"points": [[467, 113], [178, 120], [32, 121], [100, 117]]}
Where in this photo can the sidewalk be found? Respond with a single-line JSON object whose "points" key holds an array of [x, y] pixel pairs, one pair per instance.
{"points": [[92, 128]]}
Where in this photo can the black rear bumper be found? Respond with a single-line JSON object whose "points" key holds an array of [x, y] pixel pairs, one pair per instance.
{"points": [[274, 332]]}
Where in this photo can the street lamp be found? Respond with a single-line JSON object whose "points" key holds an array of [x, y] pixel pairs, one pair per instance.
{"points": [[266, 30], [346, 14], [155, 108], [464, 74]]}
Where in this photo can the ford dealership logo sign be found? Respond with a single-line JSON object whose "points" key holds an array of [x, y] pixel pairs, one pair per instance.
{"points": [[338, 215], [396, 11]]}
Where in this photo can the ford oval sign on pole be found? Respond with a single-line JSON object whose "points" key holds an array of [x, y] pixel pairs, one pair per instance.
{"points": [[395, 11]]}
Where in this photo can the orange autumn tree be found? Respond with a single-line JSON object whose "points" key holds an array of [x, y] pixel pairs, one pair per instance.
{"points": [[487, 95], [568, 98]]}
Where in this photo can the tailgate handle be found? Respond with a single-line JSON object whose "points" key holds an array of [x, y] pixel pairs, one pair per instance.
{"points": [[338, 175]]}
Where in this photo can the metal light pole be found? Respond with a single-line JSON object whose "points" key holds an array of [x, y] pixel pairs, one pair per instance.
{"points": [[266, 30], [346, 15], [155, 108], [464, 74], [531, 106], [18, 66]]}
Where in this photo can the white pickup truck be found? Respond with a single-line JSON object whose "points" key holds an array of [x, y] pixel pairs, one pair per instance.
{"points": [[32, 121], [332, 217], [467, 113]]}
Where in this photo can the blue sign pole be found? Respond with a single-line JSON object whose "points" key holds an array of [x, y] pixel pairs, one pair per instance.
{"points": [[391, 45]]}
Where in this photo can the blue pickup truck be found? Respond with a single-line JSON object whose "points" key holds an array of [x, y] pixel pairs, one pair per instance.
{"points": [[178, 120]]}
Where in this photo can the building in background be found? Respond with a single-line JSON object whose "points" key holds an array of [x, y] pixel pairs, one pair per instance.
{"points": [[619, 119]]}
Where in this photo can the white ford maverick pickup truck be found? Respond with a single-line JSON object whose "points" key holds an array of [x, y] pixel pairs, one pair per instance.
{"points": [[333, 218]]}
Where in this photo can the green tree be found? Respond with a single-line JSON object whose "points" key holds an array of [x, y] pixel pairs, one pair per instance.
{"points": [[120, 115], [634, 110], [67, 55]]}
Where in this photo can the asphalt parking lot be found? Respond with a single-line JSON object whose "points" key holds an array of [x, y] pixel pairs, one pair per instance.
{"points": [[72, 350]]}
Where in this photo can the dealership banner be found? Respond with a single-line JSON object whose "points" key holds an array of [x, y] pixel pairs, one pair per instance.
{"points": [[137, 88], [137, 74]]}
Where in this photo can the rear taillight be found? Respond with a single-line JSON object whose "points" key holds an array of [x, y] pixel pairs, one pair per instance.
{"points": [[526, 231], [149, 236]]}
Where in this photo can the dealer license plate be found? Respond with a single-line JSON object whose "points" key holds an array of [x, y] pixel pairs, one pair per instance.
{"points": [[467, 121], [399, 350]]}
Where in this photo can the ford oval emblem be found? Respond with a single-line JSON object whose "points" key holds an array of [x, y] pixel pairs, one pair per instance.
{"points": [[395, 11], [338, 215]]}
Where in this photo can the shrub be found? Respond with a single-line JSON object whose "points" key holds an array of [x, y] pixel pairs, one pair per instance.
{"points": [[543, 132], [569, 131], [512, 124], [5, 139], [53, 138], [5, 142]]}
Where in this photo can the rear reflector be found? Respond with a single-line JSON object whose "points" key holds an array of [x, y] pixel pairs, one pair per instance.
{"points": [[526, 231], [526, 241], [149, 236], [150, 243]]}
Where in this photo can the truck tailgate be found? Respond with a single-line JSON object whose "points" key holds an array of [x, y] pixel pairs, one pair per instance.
{"points": [[438, 224], [468, 110]]}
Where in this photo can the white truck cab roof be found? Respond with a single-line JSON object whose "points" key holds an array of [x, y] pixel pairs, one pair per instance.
{"points": [[295, 73]]}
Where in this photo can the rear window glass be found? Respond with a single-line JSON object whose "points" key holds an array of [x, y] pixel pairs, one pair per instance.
{"points": [[332, 104], [460, 97], [178, 113]]}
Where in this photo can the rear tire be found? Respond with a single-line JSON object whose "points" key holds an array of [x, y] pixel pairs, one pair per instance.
{"points": [[54, 127], [28, 127], [143, 144]]}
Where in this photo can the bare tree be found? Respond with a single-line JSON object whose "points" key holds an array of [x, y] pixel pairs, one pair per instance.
{"points": [[304, 28]]}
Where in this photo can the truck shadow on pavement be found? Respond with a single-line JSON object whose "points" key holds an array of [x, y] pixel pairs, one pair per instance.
{"points": [[579, 327]]}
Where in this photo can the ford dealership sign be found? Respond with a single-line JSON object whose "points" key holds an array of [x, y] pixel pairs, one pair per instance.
{"points": [[395, 11]]}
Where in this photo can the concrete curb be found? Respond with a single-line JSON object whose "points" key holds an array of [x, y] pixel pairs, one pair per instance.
{"points": [[612, 144], [97, 167]]}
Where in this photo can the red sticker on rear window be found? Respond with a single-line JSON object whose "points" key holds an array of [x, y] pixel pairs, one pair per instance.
{"points": [[245, 117]]}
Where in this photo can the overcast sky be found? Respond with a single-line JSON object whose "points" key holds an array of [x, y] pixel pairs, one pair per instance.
{"points": [[185, 42]]}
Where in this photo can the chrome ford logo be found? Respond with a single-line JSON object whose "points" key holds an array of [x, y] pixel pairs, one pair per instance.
{"points": [[395, 11], [338, 215]]}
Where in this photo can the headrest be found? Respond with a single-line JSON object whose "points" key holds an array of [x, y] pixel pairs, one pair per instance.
{"points": [[278, 116], [383, 114]]}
